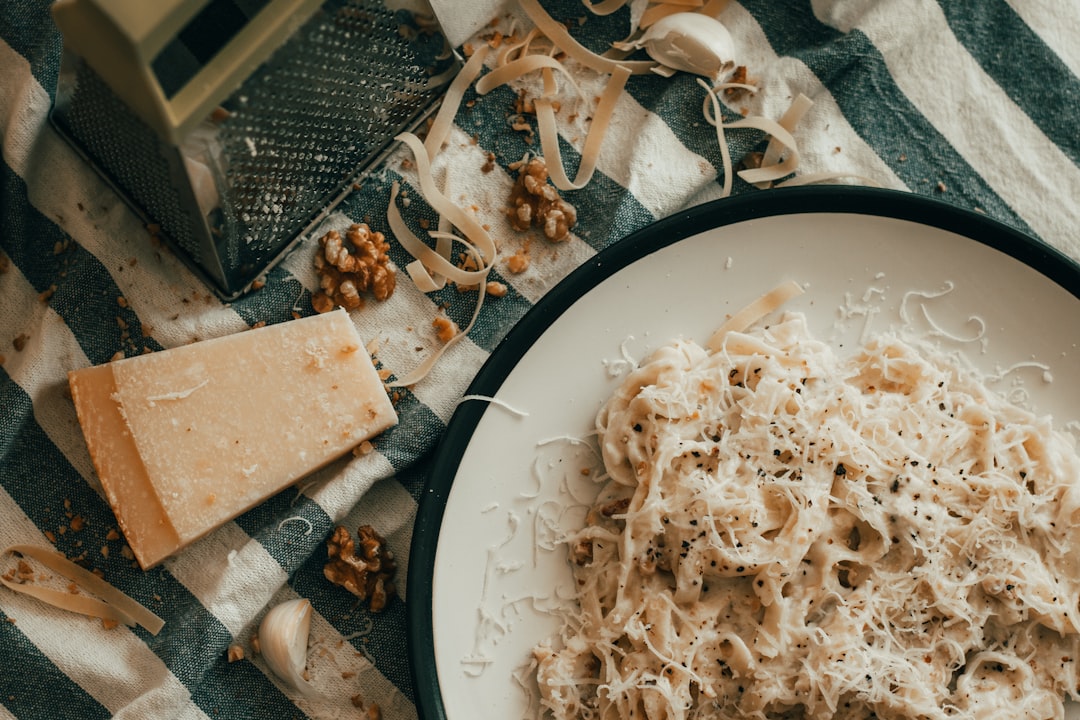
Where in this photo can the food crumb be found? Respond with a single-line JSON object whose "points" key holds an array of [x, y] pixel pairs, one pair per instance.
{"points": [[494, 288], [235, 653], [19, 342], [445, 328], [108, 623], [518, 262]]}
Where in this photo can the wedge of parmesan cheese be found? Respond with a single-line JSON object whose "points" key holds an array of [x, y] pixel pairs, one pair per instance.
{"points": [[186, 439]]}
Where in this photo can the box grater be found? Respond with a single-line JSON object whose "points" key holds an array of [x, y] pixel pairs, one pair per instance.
{"points": [[232, 126]]}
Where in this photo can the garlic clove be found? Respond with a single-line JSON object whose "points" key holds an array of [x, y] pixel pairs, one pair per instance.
{"points": [[283, 639], [691, 42]]}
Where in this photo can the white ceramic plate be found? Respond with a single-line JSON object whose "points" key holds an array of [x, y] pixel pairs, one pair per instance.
{"points": [[482, 569]]}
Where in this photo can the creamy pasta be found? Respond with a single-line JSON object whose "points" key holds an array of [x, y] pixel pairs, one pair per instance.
{"points": [[786, 531]]}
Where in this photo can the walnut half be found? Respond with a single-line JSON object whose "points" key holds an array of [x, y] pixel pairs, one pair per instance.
{"points": [[367, 575], [535, 202], [347, 270]]}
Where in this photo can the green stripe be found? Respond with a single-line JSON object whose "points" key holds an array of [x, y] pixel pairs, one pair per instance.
{"points": [[1022, 65], [856, 75], [32, 686]]}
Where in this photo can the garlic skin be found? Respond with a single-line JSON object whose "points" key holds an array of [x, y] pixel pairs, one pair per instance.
{"points": [[283, 639], [692, 42]]}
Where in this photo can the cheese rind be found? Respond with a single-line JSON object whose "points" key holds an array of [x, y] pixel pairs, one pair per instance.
{"points": [[186, 439]]}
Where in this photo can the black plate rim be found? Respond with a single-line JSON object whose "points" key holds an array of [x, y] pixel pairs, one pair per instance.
{"points": [[895, 204]]}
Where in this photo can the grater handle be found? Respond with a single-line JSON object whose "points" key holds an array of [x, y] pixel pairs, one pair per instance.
{"points": [[120, 39]]}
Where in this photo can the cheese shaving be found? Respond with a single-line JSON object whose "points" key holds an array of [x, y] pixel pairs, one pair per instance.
{"points": [[177, 395], [477, 240], [493, 401], [590, 154], [755, 311], [788, 532], [451, 102], [789, 120], [520, 67], [296, 518], [604, 7], [109, 604]]}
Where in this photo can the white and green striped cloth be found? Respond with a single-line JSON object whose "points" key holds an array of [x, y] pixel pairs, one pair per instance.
{"points": [[974, 102]]}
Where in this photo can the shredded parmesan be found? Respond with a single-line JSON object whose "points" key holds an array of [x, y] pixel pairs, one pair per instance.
{"points": [[176, 395], [494, 401], [109, 604], [788, 532], [296, 518], [753, 312]]}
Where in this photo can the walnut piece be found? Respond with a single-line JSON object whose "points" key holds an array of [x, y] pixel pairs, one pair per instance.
{"points": [[518, 263], [347, 270], [445, 328], [368, 574], [534, 202]]}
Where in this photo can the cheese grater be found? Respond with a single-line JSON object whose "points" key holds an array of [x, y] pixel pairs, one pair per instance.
{"points": [[232, 126]]}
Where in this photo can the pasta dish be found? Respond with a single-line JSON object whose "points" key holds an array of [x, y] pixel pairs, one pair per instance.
{"points": [[789, 532]]}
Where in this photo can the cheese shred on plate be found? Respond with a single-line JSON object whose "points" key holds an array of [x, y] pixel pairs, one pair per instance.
{"points": [[786, 531]]}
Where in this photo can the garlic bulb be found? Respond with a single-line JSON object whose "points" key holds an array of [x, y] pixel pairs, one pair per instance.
{"points": [[692, 42], [283, 638]]}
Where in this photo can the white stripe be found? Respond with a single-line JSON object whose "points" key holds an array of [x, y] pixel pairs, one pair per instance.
{"points": [[41, 368], [352, 480], [1057, 24], [986, 128], [121, 673], [232, 575]]}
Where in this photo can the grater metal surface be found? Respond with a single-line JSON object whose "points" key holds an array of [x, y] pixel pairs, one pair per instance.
{"points": [[281, 150]]}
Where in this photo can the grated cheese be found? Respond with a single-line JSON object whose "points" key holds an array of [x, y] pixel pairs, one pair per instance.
{"points": [[787, 532]]}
